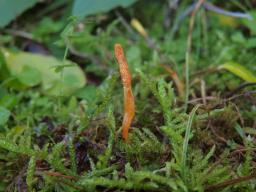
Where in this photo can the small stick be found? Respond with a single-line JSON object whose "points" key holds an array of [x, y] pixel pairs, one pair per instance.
{"points": [[129, 106], [230, 182], [203, 91], [57, 174]]}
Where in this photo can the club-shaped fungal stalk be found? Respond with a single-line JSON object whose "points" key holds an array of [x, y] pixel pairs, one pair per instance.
{"points": [[129, 106]]}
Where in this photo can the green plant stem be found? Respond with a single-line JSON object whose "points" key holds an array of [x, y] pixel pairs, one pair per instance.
{"points": [[189, 49], [62, 75], [186, 81]]}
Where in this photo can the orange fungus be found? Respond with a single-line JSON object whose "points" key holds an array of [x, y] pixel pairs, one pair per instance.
{"points": [[129, 106]]}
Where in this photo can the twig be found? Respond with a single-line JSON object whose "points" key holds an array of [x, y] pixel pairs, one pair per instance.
{"points": [[203, 91], [126, 24], [201, 99], [181, 17], [218, 10], [240, 95], [57, 174], [240, 87], [209, 7], [18, 33], [242, 150], [229, 182], [239, 115], [203, 72]]}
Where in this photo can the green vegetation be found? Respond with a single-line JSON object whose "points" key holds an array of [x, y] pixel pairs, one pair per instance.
{"points": [[193, 69]]}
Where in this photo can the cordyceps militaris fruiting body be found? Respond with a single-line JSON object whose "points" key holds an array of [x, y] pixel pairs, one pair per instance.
{"points": [[129, 106]]}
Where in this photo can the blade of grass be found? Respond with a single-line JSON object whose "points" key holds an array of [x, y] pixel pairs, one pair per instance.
{"points": [[189, 49], [186, 140]]}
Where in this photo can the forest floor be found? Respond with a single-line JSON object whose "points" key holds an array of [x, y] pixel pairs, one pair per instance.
{"points": [[181, 119]]}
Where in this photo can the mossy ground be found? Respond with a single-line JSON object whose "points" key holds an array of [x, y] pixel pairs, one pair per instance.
{"points": [[74, 143]]}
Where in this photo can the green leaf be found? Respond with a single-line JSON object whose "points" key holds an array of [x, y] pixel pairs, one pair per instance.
{"points": [[4, 73], [88, 92], [10, 9], [29, 76], [8, 101], [4, 115], [83, 8], [239, 71], [32, 69]]}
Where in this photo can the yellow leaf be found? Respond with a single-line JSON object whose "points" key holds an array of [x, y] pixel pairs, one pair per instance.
{"points": [[138, 26], [239, 71]]}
